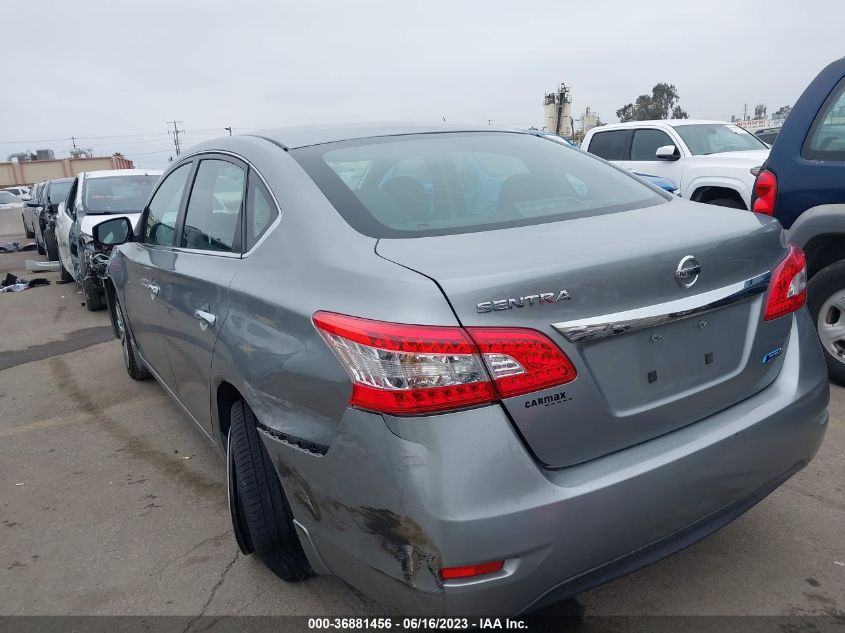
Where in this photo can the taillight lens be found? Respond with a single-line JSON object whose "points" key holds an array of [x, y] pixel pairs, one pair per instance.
{"points": [[412, 369], [765, 193], [788, 290]]}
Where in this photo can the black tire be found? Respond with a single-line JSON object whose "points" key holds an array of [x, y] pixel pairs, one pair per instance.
{"points": [[134, 365], [65, 275], [26, 230], [51, 245], [93, 295], [733, 203], [40, 247], [266, 517], [821, 289]]}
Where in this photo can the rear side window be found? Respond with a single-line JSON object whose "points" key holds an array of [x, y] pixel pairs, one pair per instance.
{"points": [[212, 221], [610, 145], [645, 143], [447, 183], [164, 207], [261, 211], [826, 140]]}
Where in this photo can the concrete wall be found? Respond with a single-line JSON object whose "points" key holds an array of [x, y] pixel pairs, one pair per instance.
{"points": [[29, 172]]}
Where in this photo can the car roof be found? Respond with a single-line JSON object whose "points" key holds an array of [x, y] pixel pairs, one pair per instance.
{"points": [[59, 180], [627, 124], [303, 136], [105, 173]]}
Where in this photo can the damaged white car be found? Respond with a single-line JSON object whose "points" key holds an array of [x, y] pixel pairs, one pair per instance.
{"points": [[94, 197]]}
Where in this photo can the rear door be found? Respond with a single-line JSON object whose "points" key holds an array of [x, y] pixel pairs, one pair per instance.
{"points": [[64, 221], [195, 295], [611, 145], [146, 263]]}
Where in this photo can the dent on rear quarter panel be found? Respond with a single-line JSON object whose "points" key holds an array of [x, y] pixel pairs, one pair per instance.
{"points": [[357, 505]]}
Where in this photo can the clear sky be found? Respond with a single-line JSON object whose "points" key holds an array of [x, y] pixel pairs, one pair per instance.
{"points": [[113, 72]]}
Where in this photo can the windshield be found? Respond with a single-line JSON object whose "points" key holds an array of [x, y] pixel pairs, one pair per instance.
{"points": [[7, 197], [711, 138], [58, 191], [440, 184], [117, 194]]}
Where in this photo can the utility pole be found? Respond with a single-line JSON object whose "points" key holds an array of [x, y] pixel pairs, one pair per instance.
{"points": [[229, 129], [73, 140], [176, 132]]}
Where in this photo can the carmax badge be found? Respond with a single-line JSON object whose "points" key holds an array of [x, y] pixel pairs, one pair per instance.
{"points": [[521, 302]]}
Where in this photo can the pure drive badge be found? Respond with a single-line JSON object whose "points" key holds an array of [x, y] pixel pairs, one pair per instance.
{"points": [[521, 302]]}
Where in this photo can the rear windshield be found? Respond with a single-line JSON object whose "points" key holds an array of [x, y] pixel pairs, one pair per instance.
{"points": [[446, 183], [712, 138], [117, 194]]}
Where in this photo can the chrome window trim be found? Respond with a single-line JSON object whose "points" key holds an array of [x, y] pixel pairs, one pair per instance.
{"points": [[658, 314], [252, 167]]}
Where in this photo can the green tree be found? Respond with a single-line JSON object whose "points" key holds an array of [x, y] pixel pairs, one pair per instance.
{"points": [[662, 103]]}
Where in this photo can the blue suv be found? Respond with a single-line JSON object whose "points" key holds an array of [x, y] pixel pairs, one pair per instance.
{"points": [[802, 184]]}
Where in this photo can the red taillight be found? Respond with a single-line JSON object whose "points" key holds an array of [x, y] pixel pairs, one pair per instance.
{"points": [[410, 369], [468, 571], [765, 193], [788, 290]]}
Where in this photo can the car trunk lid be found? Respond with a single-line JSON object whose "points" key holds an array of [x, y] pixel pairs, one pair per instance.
{"points": [[647, 377]]}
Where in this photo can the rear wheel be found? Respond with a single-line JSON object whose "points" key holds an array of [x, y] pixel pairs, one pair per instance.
{"points": [[51, 245], [65, 275], [826, 301], [134, 366], [261, 515]]}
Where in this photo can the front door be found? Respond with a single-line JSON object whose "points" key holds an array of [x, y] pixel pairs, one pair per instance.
{"points": [[196, 291], [643, 159], [145, 265]]}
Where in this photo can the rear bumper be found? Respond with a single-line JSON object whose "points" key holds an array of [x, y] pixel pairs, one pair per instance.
{"points": [[390, 504]]}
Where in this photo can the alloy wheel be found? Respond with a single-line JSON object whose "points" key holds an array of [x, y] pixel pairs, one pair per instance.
{"points": [[831, 325]]}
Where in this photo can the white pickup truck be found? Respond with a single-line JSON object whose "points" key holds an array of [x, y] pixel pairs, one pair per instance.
{"points": [[711, 161]]}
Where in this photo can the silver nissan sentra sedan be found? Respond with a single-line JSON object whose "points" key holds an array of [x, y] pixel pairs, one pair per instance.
{"points": [[468, 371]]}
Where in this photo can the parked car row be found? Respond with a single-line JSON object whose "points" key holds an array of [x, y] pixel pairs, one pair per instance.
{"points": [[62, 212], [452, 367]]}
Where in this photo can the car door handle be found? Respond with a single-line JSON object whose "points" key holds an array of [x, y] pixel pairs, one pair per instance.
{"points": [[152, 286], [206, 319]]}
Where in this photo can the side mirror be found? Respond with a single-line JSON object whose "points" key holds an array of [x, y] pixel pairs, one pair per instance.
{"points": [[26, 197], [32, 203], [667, 152], [113, 232]]}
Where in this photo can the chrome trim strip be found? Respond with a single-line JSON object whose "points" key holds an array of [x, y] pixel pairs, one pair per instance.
{"points": [[650, 316]]}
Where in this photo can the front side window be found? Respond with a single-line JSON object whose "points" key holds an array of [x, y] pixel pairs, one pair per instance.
{"points": [[610, 145], [160, 224], [441, 184], [117, 194], [826, 140], [714, 138], [212, 221], [645, 143]]}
